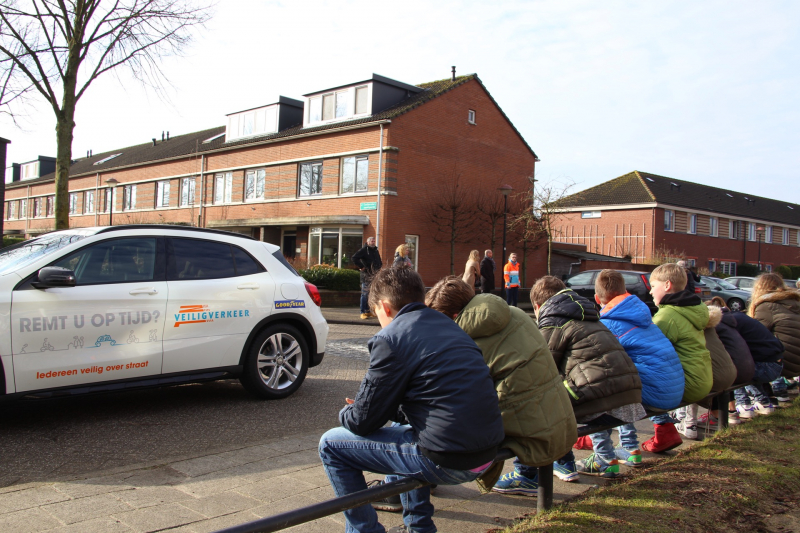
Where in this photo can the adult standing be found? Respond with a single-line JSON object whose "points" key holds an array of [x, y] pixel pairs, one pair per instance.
{"points": [[472, 271], [368, 261], [487, 272], [401, 258], [691, 277], [511, 278]]}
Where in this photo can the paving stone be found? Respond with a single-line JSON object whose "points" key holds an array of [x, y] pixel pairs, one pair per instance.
{"points": [[99, 525], [28, 498], [221, 504], [276, 488], [205, 465], [93, 486], [82, 509], [215, 524], [141, 497], [162, 475], [158, 517], [28, 521]]}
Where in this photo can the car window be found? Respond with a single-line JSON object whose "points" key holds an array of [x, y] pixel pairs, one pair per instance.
{"points": [[746, 283], [27, 252], [245, 265], [113, 261], [631, 279], [724, 284], [199, 259], [279, 256], [584, 278]]}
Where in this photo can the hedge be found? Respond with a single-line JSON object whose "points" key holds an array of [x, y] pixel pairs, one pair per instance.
{"points": [[332, 278], [8, 241]]}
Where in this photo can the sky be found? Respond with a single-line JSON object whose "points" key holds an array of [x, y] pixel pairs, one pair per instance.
{"points": [[699, 91]]}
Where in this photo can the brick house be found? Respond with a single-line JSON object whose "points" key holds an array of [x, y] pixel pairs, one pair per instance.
{"points": [[305, 174], [644, 215]]}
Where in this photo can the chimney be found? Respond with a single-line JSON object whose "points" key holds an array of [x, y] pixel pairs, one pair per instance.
{"points": [[154, 141], [87, 154], [162, 136], [454, 72], [167, 135], [91, 153]]}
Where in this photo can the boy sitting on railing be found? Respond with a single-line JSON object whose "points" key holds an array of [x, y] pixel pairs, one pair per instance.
{"points": [[428, 375]]}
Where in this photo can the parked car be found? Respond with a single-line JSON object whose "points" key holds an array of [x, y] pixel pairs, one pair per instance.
{"points": [[742, 282], [147, 305], [735, 299], [790, 283], [702, 290], [636, 282]]}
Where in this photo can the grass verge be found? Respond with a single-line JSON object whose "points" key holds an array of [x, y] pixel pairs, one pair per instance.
{"points": [[746, 478]]}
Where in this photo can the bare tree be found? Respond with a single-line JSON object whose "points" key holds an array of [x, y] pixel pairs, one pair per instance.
{"points": [[58, 48], [489, 215], [451, 210]]}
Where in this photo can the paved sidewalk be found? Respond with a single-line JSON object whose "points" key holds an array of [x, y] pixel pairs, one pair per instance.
{"points": [[213, 491], [351, 315]]}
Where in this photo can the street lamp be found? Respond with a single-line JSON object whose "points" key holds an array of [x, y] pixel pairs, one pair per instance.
{"points": [[112, 184], [759, 233], [505, 190]]}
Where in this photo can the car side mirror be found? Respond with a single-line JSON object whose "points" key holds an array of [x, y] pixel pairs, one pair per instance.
{"points": [[568, 284], [52, 276]]}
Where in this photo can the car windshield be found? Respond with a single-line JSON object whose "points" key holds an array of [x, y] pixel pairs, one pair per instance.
{"points": [[27, 252], [724, 284]]}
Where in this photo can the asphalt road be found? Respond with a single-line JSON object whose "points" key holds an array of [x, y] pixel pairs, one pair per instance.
{"points": [[46, 440]]}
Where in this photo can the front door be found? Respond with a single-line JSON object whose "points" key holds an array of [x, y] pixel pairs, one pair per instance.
{"points": [[108, 327]]}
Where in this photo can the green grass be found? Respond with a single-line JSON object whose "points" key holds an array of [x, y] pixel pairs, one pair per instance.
{"points": [[737, 481]]}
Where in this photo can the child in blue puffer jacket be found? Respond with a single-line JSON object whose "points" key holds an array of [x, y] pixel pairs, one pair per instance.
{"points": [[659, 367]]}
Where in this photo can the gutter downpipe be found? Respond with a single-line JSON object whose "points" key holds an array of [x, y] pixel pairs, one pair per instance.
{"points": [[27, 210], [202, 190], [96, 189], [380, 175]]}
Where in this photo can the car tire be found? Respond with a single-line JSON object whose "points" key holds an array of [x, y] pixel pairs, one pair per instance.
{"points": [[735, 304], [276, 364]]}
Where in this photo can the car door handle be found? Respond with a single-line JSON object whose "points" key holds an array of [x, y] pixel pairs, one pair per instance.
{"points": [[150, 290], [251, 286]]}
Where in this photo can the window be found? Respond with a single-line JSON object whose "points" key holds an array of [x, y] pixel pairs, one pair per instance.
{"points": [[315, 109], [162, 193], [223, 185], [584, 278], [8, 210], [115, 261], [341, 104], [354, 174], [785, 236], [412, 241], [108, 200], [669, 220], [733, 229], [129, 197], [37, 207], [768, 234], [334, 246], [712, 266], [245, 265], [88, 202], [30, 170], [254, 184], [12, 206], [362, 94], [471, 116], [198, 259], [73, 203], [691, 262], [713, 226], [50, 202], [727, 267], [768, 267], [751, 231], [310, 179], [187, 191], [692, 224], [23, 209]]}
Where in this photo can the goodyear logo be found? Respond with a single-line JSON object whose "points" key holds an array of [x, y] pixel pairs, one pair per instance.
{"points": [[289, 304], [196, 314]]}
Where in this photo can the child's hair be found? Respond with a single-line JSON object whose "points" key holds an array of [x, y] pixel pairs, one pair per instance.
{"points": [[475, 255], [717, 301], [673, 273], [765, 284], [545, 288], [449, 296], [400, 286], [401, 249], [609, 284]]}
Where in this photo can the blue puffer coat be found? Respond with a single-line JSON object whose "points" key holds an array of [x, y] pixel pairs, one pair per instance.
{"points": [[659, 367]]}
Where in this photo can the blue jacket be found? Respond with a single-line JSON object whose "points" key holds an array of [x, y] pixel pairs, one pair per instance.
{"points": [[426, 372], [659, 367]]}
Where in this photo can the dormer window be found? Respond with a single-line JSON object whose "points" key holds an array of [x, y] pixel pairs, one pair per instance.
{"points": [[260, 121], [339, 104]]}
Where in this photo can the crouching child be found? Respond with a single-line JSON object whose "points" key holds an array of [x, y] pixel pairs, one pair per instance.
{"points": [[428, 376]]}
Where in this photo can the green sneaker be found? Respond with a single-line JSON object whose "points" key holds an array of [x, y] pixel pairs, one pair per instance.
{"points": [[594, 465], [628, 457]]}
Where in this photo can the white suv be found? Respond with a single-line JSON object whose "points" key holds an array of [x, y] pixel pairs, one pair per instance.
{"points": [[117, 307]]}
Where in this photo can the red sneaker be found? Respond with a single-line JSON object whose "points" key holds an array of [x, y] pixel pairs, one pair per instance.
{"points": [[666, 438], [584, 443]]}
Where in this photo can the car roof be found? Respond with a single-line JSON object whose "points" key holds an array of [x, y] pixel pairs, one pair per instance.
{"points": [[625, 271], [173, 227]]}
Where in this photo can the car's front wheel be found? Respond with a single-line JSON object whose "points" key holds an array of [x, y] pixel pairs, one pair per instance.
{"points": [[735, 304], [277, 362]]}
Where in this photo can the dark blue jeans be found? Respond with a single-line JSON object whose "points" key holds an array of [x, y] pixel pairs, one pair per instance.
{"points": [[765, 372], [364, 297], [511, 295]]}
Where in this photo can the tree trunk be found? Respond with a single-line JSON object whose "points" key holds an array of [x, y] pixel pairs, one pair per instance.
{"points": [[64, 133]]}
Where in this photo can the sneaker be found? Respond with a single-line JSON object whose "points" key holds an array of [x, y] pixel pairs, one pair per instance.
{"points": [[594, 465], [746, 411], [677, 415], [516, 483], [733, 418], [708, 421], [666, 438], [763, 409], [565, 472], [391, 504], [628, 457], [783, 400], [690, 432], [364, 316]]}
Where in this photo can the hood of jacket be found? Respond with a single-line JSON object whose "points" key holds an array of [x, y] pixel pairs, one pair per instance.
{"points": [[714, 316], [484, 315], [790, 299], [689, 306], [628, 308], [566, 306], [727, 318]]}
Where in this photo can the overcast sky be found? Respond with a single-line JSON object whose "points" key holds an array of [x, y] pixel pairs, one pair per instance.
{"points": [[700, 91]]}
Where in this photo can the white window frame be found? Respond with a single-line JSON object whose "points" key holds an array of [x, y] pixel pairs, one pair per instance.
{"points": [[767, 234], [751, 232], [129, 197], [712, 266], [692, 224], [315, 113], [413, 243], [786, 236], [669, 220], [311, 164], [767, 267], [356, 160], [471, 116], [713, 226], [223, 188], [23, 208], [318, 233], [73, 203], [37, 207], [187, 192], [50, 206], [733, 229], [162, 194], [258, 178], [88, 202], [728, 267]]}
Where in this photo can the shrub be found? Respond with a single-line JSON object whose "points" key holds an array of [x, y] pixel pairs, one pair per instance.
{"points": [[795, 272], [332, 278], [8, 241], [785, 272], [747, 270], [720, 275]]}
